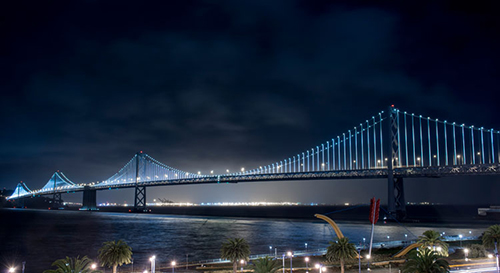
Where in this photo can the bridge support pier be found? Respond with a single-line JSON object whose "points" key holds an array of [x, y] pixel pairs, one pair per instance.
{"points": [[140, 199], [57, 200], [397, 205], [89, 199]]}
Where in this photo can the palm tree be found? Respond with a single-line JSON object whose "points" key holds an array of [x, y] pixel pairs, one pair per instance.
{"points": [[266, 265], [235, 250], [114, 254], [71, 265], [341, 250], [491, 237], [432, 239], [426, 261]]}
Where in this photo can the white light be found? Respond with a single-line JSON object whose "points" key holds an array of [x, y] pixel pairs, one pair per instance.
{"points": [[199, 172], [316, 265], [212, 172], [242, 261], [460, 236], [307, 259], [242, 169], [490, 256], [173, 263], [94, 266], [438, 249], [145, 271], [368, 256], [152, 258], [12, 269], [289, 253], [227, 170], [466, 250]]}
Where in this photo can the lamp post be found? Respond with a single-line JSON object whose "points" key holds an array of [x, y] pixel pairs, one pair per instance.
{"points": [[460, 236], [306, 246], [242, 262], [307, 264], [270, 250], [153, 260], [466, 252], [359, 258], [173, 266], [283, 262], [290, 254]]}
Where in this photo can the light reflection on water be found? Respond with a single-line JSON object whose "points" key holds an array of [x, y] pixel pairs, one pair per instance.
{"points": [[71, 233]]}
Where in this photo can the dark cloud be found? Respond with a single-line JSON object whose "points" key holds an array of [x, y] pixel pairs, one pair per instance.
{"points": [[204, 86]]}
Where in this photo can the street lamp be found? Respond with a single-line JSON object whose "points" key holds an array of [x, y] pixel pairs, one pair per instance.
{"points": [[306, 246], [242, 262], [270, 250], [466, 251], [173, 266], [12, 270], [153, 260], [460, 236], [93, 266], [307, 263], [290, 254]]}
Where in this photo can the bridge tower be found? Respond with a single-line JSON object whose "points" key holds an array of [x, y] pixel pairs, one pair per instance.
{"points": [[396, 196], [140, 191]]}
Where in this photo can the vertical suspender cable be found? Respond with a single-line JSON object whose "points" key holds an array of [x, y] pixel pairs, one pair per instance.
{"points": [[445, 143], [482, 145], [437, 142], [429, 140], [464, 158], [350, 150], [356, 146], [406, 141], [362, 150], [492, 147], [374, 142], [454, 145], [421, 142], [381, 144], [328, 154], [345, 152], [399, 139], [472, 144], [368, 141], [338, 151], [413, 138]]}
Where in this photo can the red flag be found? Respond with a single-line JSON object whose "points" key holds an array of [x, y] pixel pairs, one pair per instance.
{"points": [[377, 209], [374, 210], [372, 203]]}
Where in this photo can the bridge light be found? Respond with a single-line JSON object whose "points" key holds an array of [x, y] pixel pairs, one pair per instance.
{"points": [[434, 156], [227, 171], [242, 169], [212, 171], [199, 172], [458, 156]]}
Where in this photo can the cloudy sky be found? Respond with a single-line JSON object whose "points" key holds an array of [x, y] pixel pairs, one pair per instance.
{"points": [[215, 85]]}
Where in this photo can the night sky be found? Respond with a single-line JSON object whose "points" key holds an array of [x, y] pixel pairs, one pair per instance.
{"points": [[216, 85]]}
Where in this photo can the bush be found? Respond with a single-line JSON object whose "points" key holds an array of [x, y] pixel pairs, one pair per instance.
{"points": [[477, 251]]}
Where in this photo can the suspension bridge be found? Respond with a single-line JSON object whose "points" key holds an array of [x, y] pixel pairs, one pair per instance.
{"points": [[391, 145]]}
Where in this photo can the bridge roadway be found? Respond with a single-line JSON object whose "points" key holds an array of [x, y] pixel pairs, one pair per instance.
{"points": [[374, 173]]}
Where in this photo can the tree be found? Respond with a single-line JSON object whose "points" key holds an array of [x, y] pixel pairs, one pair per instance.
{"points": [[477, 251], [266, 265], [432, 239], [114, 254], [426, 261], [71, 265], [341, 250], [235, 250], [491, 237]]}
